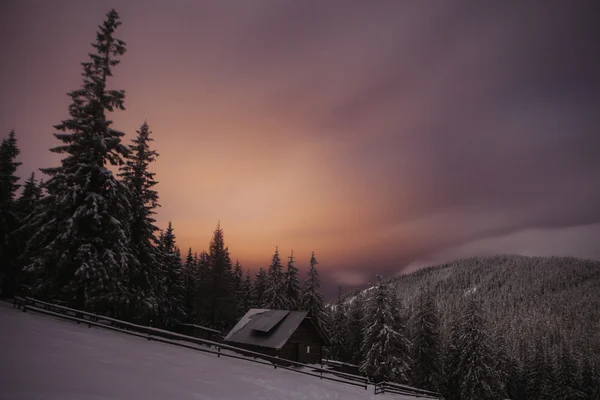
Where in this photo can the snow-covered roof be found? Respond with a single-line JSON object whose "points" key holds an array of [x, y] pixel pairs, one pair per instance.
{"points": [[266, 328]]}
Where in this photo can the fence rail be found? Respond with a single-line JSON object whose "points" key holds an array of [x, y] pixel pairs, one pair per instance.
{"points": [[177, 339], [396, 388]]}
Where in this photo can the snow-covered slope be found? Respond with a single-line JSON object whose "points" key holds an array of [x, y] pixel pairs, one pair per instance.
{"points": [[46, 358]]}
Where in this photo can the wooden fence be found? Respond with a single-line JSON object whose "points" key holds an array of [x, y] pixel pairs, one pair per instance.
{"points": [[396, 388], [204, 345]]}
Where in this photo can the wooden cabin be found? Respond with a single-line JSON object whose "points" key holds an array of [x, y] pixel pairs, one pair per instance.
{"points": [[290, 335]]}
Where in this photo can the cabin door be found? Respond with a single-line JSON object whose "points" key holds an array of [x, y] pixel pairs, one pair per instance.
{"points": [[303, 350]]}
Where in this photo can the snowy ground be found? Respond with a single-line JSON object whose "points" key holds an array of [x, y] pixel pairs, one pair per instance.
{"points": [[45, 358]]}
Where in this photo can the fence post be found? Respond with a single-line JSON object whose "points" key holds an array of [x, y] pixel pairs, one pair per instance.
{"points": [[321, 370], [149, 325], [218, 351]]}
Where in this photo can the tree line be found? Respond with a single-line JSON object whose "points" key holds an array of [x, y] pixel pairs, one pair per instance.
{"points": [[88, 237]]}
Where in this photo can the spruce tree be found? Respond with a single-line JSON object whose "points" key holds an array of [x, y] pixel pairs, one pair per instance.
{"points": [[356, 320], [312, 299], [425, 327], [30, 197], [201, 287], [172, 301], [189, 278], [275, 295], [219, 312], [143, 199], [475, 368], [237, 277], [9, 214], [568, 376], [80, 250], [292, 284], [339, 349], [244, 295], [258, 289], [386, 345]]}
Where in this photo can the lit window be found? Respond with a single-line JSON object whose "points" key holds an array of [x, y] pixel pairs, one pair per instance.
{"points": [[307, 349]]}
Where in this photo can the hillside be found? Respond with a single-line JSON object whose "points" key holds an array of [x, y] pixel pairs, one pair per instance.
{"points": [[43, 357], [525, 298], [553, 299]]}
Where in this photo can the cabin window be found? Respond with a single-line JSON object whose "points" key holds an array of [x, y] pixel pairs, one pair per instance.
{"points": [[307, 349]]}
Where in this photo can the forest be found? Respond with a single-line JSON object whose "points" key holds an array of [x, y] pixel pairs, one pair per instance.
{"points": [[86, 236], [481, 328]]}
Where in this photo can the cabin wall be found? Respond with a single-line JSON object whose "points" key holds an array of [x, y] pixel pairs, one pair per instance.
{"points": [[305, 335]]}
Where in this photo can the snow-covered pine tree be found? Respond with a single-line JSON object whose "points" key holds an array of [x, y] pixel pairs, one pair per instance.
{"points": [[311, 298], [201, 287], [386, 346], [219, 308], [136, 175], [172, 302], [568, 376], [9, 214], [356, 320], [425, 335], [540, 382], [258, 289], [276, 295], [80, 250], [339, 349], [189, 279], [475, 369], [30, 197], [292, 283]]}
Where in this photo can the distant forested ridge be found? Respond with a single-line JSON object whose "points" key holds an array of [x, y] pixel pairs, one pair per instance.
{"points": [[537, 318]]}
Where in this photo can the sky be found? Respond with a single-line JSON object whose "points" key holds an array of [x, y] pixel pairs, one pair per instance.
{"points": [[383, 135]]}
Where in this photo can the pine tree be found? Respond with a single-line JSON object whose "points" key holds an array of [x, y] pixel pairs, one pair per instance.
{"points": [[356, 320], [201, 287], [172, 308], [32, 194], [143, 200], [244, 295], [189, 278], [237, 277], [9, 215], [425, 370], [475, 368], [275, 295], [567, 377], [80, 251], [292, 284], [312, 299], [258, 289], [220, 305], [386, 346], [339, 349]]}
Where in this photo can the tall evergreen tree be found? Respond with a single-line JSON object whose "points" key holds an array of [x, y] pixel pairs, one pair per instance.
{"points": [[475, 366], [275, 295], [29, 199], [386, 345], [425, 327], [201, 287], [189, 278], [9, 216], [172, 301], [143, 199], [292, 283], [356, 320], [80, 251], [237, 277], [244, 295], [339, 349], [312, 299], [258, 289], [219, 311]]}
